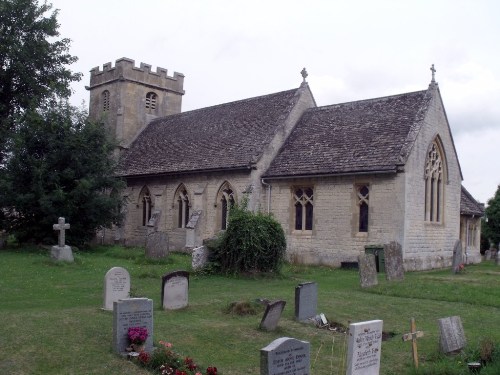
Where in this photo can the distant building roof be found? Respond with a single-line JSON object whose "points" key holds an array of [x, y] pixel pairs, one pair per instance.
{"points": [[365, 136], [469, 206]]}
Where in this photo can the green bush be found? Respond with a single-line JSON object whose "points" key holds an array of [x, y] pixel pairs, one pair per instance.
{"points": [[253, 242]]}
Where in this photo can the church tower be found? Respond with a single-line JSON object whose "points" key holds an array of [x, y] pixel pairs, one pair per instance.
{"points": [[127, 98]]}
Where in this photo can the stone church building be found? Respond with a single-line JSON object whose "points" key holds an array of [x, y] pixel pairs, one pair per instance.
{"points": [[339, 178]]}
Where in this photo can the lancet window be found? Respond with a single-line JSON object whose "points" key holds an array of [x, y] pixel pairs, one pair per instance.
{"points": [[227, 200], [434, 183], [145, 199], [303, 204], [182, 208], [363, 193]]}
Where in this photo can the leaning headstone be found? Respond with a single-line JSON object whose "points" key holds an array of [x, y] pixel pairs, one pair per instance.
{"points": [[451, 334], [306, 301], [116, 286], [364, 348], [367, 270], [457, 257], [272, 315], [132, 312], [285, 356], [156, 245], [199, 257], [61, 251], [394, 269], [175, 289], [153, 222]]}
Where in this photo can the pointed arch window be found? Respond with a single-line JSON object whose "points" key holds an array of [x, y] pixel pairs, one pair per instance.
{"points": [[303, 204], [105, 100], [182, 208], [151, 99], [145, 201], [363, 193], [434, 183], [227, 200]]}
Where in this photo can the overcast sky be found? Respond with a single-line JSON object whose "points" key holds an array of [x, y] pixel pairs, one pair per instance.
{"points": [[231, 50]]}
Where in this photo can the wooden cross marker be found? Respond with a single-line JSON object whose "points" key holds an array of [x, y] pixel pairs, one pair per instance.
{"points": [[413, 335]]}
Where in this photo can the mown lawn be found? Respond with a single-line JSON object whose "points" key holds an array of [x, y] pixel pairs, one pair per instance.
{"points": [[52, 321]]}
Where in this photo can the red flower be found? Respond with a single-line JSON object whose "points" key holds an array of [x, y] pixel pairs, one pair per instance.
{"points": [[212, 371], [144, 357]]}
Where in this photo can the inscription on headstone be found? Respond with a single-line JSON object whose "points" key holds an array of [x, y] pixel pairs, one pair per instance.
{"points": [[272, 315], [175, 288], [116, 286], [306, 301], [364, 348], [451, 334], [131, 312], [394, 261], [367, 270], [156, 245], [285, 356]]}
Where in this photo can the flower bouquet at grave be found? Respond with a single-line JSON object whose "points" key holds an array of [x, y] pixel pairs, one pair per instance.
{"points": [[137, 337]]}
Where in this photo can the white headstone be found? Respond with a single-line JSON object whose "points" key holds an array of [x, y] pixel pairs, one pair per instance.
{"points": [[175, 289], [116, 286], [131, 312], [364, 348], [199, 257], [285, 356]]}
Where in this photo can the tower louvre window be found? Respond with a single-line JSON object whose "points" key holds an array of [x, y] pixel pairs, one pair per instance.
{"points": [[105, 100], [151, 99]]}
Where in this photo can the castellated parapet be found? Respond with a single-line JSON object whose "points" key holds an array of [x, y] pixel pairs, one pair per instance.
{"points": [[125, 69]]}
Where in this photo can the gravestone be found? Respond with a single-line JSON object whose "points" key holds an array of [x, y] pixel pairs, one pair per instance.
{"points": [[497, 261], [199, 257], [61, 251], [116, 286], [394, 269], [285, 356], [364, 348], [306, 301], [272, 315], [451, 334], [153, 221], [367, 270], [131, 312], [156, 245], [457, 257], [487, 255], [174, 291]]}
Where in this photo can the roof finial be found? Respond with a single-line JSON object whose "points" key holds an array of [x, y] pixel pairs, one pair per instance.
{"points": [[433, 70], [304, 74]]}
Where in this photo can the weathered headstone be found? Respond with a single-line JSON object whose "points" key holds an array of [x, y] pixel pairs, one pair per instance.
{"points": [[132, 312], [156, 245], [199, 257], [367, 270], [285, 356], [487, 255], [451, 334], [116, 286], [394, 269], [306, 301], [457, 257], [61, 251], [175, 289], [497, 261], [153, 221], [364, 348], [272, 315]]}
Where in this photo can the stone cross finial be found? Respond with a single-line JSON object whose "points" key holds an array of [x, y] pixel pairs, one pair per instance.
{"points": [[61, 226], [433, 70], [304, 74]]}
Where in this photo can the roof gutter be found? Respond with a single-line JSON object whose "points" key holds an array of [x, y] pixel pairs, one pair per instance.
{"points": [[198, 171], [384, 171]]}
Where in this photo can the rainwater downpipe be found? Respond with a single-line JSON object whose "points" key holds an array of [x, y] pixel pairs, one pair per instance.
{"points": [[268, 195]]}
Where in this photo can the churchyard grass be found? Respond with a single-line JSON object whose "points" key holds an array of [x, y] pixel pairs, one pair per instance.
{"points": [[52, 322]]}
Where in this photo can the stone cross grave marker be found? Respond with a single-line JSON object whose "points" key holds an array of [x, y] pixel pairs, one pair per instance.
{"points": [[457, 257], [174, 291], [364, 348], [272, 315], [451, 334], [199, 257], [131, 312], [61, 252], [394, 269], [367, 270], [306, 301], [413, 336], [156, 245], [285, 356], [116, 286]]}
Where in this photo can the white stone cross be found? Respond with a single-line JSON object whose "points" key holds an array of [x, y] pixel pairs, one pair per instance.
{"points": [[61, 226]]}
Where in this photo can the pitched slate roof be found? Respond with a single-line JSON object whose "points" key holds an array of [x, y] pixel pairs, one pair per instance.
{"points": [[469, 206], [222, 137], [365, 136]]}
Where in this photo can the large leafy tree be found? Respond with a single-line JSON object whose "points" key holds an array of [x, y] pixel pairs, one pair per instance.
{"points": [[33, 62], [61, 165], [491, 224]]}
